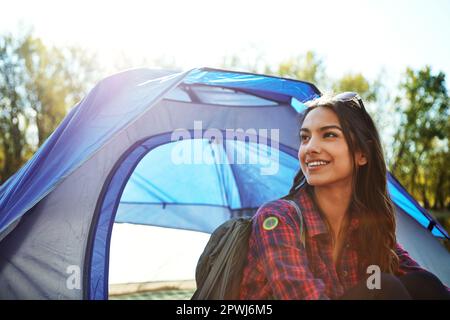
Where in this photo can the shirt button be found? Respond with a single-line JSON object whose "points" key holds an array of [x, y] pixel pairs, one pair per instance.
{"points": [[347, 245], [345, 273]]}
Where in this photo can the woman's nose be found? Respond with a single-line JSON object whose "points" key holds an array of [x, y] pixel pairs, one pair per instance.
{"points": [[313, 146]]}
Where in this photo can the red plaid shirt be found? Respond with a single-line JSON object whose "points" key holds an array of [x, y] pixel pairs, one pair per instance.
{"points": [[279, 267]]}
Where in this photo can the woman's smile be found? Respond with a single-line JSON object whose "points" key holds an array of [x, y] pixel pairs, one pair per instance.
{"points": [[315, 165]]}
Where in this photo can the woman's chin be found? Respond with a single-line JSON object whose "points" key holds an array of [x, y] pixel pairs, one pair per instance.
{"points": [[325, 181], [314, 181], [317, 181]]}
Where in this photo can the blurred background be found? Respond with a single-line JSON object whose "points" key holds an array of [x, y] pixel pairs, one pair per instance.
{"points": [[394, 53]]}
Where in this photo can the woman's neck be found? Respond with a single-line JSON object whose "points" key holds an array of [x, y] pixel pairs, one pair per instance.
{"points": [[333, 201]]}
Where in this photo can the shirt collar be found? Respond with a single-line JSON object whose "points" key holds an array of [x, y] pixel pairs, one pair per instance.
{"points": [[315, 223]]}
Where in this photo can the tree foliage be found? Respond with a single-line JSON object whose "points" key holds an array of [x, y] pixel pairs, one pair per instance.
{"points": [[13, 107], [421, 146], [308, 67], [38, 85], [358, 83], [56, 79]]}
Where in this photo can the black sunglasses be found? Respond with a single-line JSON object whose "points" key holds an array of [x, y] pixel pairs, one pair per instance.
{"points": [[350, 96]]}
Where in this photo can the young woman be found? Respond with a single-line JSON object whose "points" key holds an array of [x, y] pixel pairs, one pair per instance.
{"points": [[349, 219]]}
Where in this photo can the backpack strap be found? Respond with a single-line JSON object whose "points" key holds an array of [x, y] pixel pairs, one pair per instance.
{"points": [[299, 213]]}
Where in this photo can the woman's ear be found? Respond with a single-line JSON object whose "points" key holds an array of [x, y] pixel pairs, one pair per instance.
{"points": [[360, 158]]}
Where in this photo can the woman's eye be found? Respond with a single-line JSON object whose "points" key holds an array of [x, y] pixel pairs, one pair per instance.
{"points": [[304, 138], [330, 134]]}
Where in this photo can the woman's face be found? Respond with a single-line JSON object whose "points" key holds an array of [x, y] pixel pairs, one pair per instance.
{"points": [[324, 154]]}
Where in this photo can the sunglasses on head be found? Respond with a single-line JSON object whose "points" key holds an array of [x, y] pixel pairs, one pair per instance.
{"points": [[350, 96]]}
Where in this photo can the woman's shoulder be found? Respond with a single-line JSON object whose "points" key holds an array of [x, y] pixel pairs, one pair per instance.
{"points": [[279, 208]]}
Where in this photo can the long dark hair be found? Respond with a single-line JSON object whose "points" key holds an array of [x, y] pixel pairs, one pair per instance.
{"points": [[370, 201]]}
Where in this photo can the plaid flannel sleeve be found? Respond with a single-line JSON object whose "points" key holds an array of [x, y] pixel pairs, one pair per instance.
{"points": [[284, 259], [407, 264]]}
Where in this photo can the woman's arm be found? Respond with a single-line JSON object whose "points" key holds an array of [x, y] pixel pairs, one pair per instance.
{"points": [[283, 257], [407, 264]]}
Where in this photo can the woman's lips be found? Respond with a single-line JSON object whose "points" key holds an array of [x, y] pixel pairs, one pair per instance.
{"points": [[316, 165]]}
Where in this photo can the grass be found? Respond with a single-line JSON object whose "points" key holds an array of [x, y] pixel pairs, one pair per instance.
{"points": [[175, 294], [156, 290]]}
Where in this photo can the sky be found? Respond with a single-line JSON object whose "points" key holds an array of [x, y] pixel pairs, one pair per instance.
{"points": [[350, 36]]}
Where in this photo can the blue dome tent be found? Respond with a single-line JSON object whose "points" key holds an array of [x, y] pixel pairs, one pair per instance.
{"points": [[155, 148]]}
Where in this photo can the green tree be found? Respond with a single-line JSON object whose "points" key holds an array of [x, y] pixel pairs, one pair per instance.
{"points": [[376, 99], [38, 85], [358, 83], [308, 67], [421, 147], [13, 116], [56, 79]]}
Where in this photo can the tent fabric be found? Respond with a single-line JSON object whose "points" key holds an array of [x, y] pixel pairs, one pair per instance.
{"points": [[226, 183], [423, 246], [87, 127], [407, 203], [278, 89], [106, 161]]}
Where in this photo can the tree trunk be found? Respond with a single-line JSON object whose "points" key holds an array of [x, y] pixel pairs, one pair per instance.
{"points": [[439, 203], [426, 204], [398, 158]]}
